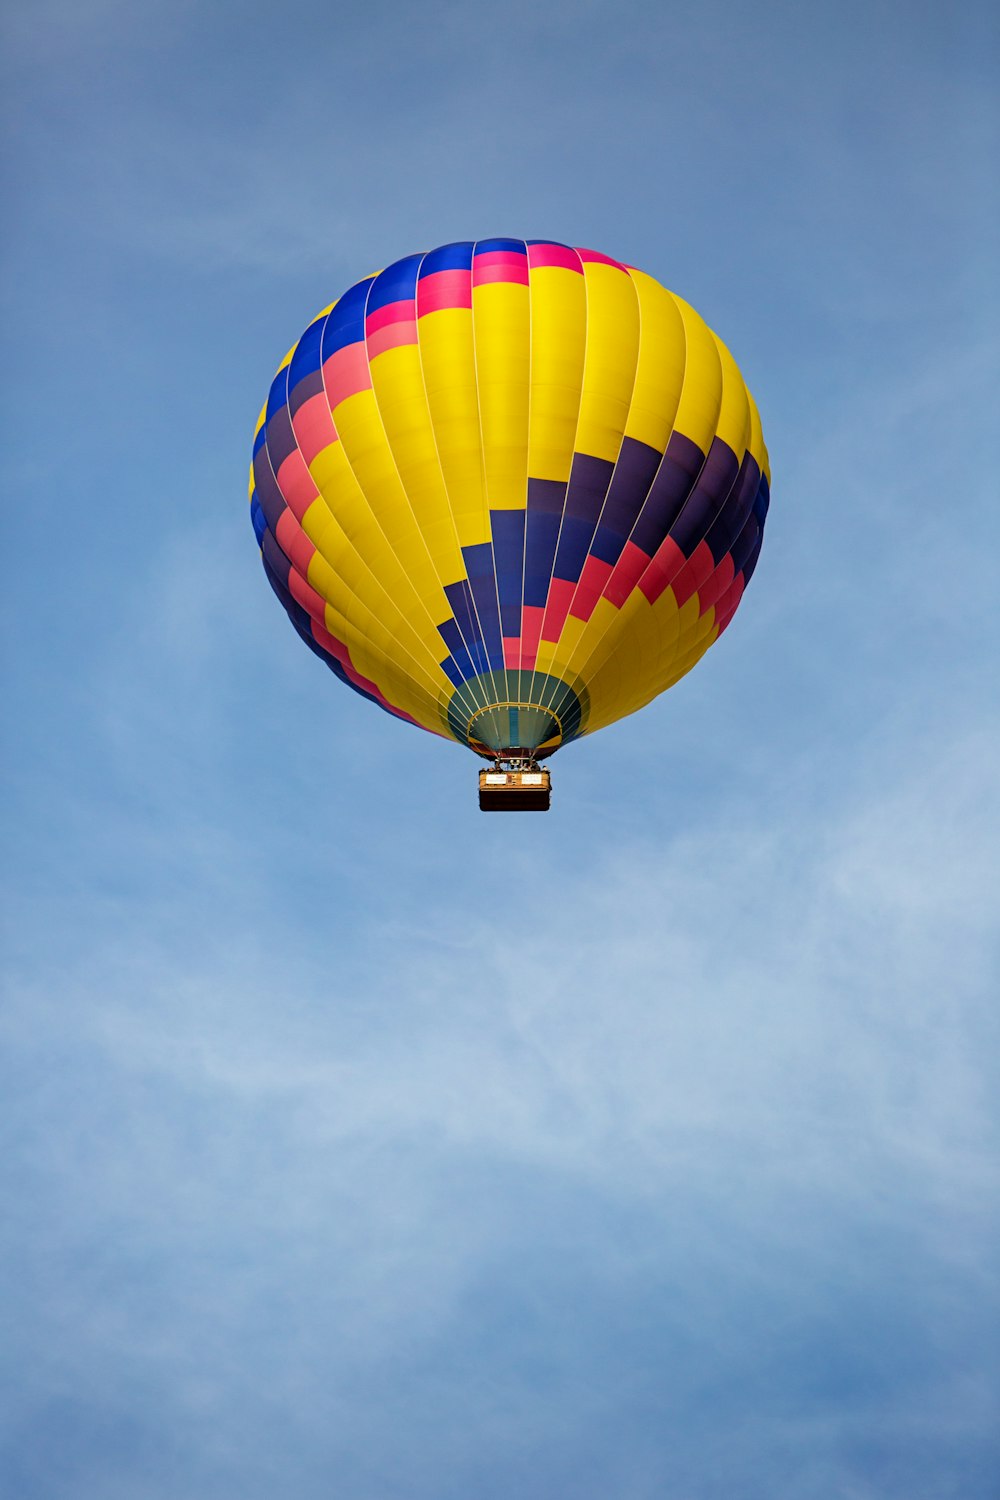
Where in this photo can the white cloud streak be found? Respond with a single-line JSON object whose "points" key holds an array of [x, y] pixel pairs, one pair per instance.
{"points": [[776, 1038]]}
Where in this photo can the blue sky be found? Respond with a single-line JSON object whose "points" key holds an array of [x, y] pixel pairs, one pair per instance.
{"points": [[355, 1143]]}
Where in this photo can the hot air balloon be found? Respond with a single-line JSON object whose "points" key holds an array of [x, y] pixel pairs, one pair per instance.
{"points": [[510, 491]]}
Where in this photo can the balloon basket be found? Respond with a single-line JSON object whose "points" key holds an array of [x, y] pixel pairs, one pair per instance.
{"points": [[515, 791]]}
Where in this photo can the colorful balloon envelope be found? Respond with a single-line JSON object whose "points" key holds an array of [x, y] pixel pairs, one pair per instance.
{"points": [[510, 491]]}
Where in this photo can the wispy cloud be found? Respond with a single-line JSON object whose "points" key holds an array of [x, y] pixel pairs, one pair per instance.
{"points": [[774, 1037]]}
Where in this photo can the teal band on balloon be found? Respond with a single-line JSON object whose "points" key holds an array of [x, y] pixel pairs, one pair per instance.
{"points": [[518, 710]]}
